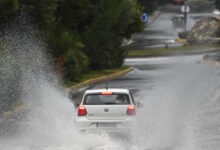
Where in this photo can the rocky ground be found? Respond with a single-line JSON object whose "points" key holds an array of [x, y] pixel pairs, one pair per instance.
{"points": [[205, 31]]}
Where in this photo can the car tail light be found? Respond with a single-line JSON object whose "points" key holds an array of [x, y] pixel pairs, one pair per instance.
{"points": [[82, 111], [131, 110]]}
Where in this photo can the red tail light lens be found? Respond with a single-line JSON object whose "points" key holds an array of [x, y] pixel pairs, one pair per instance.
{"points": [[131, 110], [82, 111]]}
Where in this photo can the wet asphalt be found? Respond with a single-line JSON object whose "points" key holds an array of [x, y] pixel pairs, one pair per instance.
{"points": [[180, 102]]}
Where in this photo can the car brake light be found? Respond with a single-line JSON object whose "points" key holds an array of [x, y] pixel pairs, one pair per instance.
{"points": [[131, 110], [106, 93], [82, 111]]}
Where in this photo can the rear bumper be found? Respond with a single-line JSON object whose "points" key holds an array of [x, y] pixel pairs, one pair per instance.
{"points": [[109, 126], [124, 131]]}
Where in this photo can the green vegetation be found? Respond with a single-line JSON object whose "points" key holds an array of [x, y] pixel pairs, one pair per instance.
{"points": [[217, 4], [171, 51], [151, 5], [7, 9], [81, 35]]}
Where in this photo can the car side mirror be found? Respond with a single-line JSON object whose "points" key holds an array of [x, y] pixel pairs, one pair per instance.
{"points": [[139, 105]]}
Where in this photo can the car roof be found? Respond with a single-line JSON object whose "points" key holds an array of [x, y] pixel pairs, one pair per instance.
{"points": [[114, 90]]}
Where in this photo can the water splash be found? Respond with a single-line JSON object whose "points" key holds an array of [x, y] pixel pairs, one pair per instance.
{"points": [[48, 122]]}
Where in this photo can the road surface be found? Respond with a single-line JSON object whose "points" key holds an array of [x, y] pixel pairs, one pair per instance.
{"points": [[181, 102], [181, 111]]}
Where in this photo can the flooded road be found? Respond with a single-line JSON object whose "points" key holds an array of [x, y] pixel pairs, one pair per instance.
{"points": [[181, 102], [181, 110]]}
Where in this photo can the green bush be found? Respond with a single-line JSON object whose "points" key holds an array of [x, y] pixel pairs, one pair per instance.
{"points": [[81, 34], [8, 9]]}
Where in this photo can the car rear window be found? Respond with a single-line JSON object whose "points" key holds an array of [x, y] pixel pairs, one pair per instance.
{"points": [[114, 99]]}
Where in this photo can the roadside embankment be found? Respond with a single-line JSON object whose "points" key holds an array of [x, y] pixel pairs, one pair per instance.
{"points": [[205, 31]]}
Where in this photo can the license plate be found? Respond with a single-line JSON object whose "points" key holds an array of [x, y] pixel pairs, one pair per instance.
{"points": [[105, 125]]}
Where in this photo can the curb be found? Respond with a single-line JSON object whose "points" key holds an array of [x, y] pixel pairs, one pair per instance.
{"points": [[100, 79]]}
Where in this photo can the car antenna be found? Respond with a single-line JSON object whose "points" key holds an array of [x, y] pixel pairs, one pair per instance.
{"points": [[106, 85]]}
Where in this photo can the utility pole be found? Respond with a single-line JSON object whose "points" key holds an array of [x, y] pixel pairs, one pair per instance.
{"points": [[185, 10], [185, 15]]}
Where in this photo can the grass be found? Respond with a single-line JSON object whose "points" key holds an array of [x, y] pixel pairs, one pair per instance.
{"points": [[94, 74], [156, 52]]}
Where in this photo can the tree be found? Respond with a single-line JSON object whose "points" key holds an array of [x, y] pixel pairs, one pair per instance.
{"points": [[109, 26], [151, 5], [41, 11], [7, 9], [129, 20], [80, 34], [217, 4]]}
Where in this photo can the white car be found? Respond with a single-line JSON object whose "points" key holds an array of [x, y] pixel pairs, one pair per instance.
{"points": [[111, 110]]}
